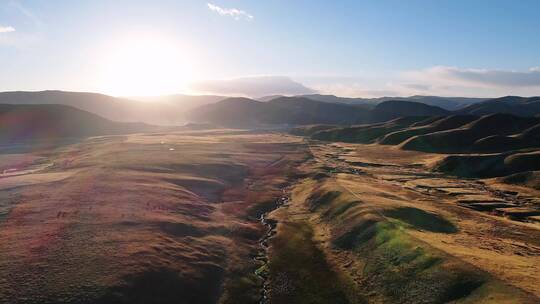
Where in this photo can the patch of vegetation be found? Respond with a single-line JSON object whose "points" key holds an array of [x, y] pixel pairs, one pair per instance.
{"points": [[528, 178], [320, 198], [299, 272], [335, 211], [360, 234], [167, 286], [241, 288], [421, 219], [398, 268], [365, 133], [406, 271], [473, 165]]}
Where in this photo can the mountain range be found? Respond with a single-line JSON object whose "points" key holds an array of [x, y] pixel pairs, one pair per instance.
{"points": [[244, 112], [272, 110], [447, 103], [163, 110]]}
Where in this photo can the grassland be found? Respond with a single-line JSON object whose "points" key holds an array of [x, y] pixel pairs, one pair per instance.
{"points": [[174, 218], [140, 219]]}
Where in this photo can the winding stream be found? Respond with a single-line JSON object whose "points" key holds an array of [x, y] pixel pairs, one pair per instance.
{"points": [[262, 256]]}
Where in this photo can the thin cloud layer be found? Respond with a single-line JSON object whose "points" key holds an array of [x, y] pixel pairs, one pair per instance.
{"points": [[473, 77], [452, 81], [256, 86], [437, 80], [235, 13], [6, 29]]}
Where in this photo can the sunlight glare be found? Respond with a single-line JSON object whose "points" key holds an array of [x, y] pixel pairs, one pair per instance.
{"points": [[146, 65]]}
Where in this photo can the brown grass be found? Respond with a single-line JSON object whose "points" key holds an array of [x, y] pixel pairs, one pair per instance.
{"points": [[143, 219]]}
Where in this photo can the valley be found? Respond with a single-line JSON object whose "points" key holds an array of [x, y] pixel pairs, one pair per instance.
{"points": [[269, 152], [158, 217]]}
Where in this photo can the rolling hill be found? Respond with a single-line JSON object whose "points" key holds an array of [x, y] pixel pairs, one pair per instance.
{"points": [[463, 139], [244, 112], [56, 122], [447, 103], [435, 134], [490, 165], [392, 109], [521, 106], [441, 124], [368, 133], [164, 110], [367, 103], [103, 105]]}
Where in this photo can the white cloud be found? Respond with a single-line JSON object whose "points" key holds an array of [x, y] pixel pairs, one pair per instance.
{"points": [[254, 86], [6, 29], [235, 13]]}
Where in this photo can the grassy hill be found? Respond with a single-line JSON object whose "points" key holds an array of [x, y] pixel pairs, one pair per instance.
{"points": [[515, 105], [463, 139], [245, 112], [489, 165], [398, 108], [447, 103], [368, 133], [53, 122], [440, 124]]}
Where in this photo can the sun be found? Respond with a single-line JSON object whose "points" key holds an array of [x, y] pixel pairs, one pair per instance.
{"points": [[146, 65]]}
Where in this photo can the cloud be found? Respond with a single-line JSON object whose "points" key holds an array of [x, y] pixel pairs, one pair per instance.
{"points": [[255, 86], [417, 86], [235, 13], [479, 77], [436, 80], [454, 81], [355, 89], [6, 29]]}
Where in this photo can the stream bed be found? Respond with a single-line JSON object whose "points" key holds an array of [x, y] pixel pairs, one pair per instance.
{"points": [[262, 257]]}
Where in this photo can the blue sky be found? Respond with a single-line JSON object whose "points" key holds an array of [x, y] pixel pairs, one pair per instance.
{"points": [[349, 48]]}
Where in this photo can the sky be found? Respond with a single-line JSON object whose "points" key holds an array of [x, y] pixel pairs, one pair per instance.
{"points": [[483, 48]]}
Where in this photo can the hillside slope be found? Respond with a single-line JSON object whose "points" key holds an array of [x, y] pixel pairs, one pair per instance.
{"points": [[447, 103], [368, 133], [463, 139], [163, 110], [515, 105], [444, 123], [398, 108], [245, 112], [54, 122]]}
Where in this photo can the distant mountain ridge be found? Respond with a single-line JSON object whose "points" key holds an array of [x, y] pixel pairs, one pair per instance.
{"points": [[245, 112], [288, 111], [297, 110], [447, 103], [521, 106], [391, 109]]}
